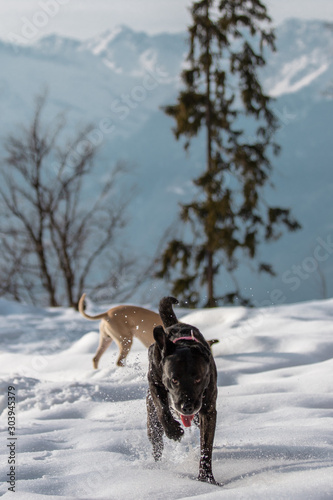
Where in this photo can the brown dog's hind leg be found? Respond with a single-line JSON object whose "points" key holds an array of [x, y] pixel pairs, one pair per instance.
{"points": [[154, 429], [124, 348], [104, 343]]}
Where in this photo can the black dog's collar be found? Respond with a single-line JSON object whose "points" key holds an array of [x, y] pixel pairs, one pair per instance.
{"points": [[187, 338]]}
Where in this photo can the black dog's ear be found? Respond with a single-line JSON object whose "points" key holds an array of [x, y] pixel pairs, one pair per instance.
{"points": [[159, 336], [166, 346]]}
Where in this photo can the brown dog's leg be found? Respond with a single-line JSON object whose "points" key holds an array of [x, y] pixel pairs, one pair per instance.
{"points": [[124, 348], [104, 342], [207, 431], [154, 429]]}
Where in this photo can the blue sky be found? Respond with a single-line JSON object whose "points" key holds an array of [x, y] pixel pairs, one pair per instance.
{"points": [[85, 18]]}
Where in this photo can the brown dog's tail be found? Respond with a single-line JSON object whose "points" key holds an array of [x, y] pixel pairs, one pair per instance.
{"points": [[85, 315], [212, 342], [166, 312]]}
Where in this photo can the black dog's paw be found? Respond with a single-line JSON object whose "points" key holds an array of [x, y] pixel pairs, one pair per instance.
{"points": [[207, 477], [174, 430]]}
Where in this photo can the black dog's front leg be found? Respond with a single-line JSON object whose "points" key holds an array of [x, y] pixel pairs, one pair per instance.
{"points": [[172, 428], [154, 429], [207, 432]]}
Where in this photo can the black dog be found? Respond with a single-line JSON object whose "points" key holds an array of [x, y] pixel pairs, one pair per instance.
{"points": [[182, 382]]}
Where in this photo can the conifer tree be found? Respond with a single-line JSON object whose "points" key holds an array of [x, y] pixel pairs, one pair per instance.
{"points": [[229, 216]]}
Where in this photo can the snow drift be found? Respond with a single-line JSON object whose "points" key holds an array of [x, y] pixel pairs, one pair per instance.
{"points": [[81, 434]]}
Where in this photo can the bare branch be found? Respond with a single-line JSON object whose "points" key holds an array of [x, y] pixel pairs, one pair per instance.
{"points": [[54, 241]]}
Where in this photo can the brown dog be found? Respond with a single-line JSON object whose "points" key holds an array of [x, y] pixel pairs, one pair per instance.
{"points": [[120, 324]]}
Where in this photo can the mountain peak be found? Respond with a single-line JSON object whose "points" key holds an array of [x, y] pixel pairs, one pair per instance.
{"points": [[100, 43], [54, 43]]}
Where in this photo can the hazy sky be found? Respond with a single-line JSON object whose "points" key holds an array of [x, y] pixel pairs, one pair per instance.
{"points": [[82, 19]]}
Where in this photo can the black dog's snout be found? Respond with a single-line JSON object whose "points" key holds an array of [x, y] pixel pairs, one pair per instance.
{"points": [[187, 408]]}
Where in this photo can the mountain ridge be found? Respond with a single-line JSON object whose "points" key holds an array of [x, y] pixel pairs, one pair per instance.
{"points": [[126, 81]]}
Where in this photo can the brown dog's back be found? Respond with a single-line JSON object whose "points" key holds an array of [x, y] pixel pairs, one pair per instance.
{"points": [[137, 320]]}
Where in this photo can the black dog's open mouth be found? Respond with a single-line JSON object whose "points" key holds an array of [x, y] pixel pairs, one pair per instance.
{"points": [[187, 419]]}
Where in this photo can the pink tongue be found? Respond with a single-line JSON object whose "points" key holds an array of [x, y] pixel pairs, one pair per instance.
{"points": [[187, 420]]}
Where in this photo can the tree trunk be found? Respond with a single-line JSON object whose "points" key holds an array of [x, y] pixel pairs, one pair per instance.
{"points": [[210, 251], [46, 278], [210, 280]]}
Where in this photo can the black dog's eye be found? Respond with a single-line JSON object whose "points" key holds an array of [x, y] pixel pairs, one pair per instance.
{"points": [[197, 380], [175, 381]]}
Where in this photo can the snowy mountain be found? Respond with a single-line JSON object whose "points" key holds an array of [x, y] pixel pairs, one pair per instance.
{"points": [[134, 54], [122, 77], [81, 434], [303, 59]]}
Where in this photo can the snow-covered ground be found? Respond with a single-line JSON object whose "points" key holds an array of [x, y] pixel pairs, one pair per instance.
{"points": [[81, 434]]}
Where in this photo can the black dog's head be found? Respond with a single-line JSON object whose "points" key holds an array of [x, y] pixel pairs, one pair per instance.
{"points": [[185, 371]]}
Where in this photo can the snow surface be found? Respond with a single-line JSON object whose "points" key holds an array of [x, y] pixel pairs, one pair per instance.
{"points": [[81, 434]]}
